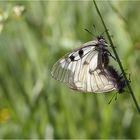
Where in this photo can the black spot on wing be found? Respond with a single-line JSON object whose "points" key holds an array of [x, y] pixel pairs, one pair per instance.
{"points": [[81, 52], [72, 57]]}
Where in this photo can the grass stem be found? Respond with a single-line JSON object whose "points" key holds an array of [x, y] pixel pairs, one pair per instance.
{"points": [[117, 58]]}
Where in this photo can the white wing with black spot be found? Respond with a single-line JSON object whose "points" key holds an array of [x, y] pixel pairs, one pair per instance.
{"points": [[79, 71]]}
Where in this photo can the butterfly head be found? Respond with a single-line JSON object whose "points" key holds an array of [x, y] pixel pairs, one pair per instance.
{"points": [[102, 41], [100, 37]]}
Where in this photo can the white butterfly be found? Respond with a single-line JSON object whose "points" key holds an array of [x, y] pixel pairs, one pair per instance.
{"points": [[85, 68]]}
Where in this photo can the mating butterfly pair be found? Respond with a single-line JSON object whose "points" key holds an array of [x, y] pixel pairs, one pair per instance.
{"points": [[87, 69]]}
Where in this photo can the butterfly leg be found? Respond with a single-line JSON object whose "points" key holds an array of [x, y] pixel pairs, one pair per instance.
{"points": [[115, 95], [109, 53], [129, 76]]}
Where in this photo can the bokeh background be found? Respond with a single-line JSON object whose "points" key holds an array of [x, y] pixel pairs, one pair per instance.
{"points": [[33, 36]]}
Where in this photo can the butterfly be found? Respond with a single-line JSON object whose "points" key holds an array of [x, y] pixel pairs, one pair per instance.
{"points": [[86, 69]]}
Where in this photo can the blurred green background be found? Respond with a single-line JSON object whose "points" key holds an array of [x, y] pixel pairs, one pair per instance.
{"points": [[33, 36]]}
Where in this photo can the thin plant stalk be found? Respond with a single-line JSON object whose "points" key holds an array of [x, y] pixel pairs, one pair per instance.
{"points": [[117, 58]]}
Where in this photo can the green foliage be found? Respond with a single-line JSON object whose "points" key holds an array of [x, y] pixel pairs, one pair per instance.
{"points": [[32, 104]]}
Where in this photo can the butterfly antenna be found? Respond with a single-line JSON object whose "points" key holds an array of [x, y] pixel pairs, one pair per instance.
{"points": [[104, 32], [89, 32], [94, 28]]}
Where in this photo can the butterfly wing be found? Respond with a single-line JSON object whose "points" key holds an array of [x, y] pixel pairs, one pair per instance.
{"points": [[64, 66], [79, 71]]}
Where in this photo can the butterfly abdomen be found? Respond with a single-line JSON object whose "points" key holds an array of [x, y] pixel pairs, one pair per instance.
{"points": [[117, 78]]}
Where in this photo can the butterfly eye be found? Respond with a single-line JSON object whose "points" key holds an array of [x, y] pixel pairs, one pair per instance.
{"points": [[81, 52], [72, 57]]}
